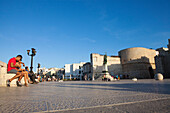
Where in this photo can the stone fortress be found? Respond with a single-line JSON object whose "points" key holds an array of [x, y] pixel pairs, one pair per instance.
{"points": [[132, 62], [137, 62]]}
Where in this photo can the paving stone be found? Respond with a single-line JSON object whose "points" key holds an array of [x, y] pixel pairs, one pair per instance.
{"points": [[87, 96]]}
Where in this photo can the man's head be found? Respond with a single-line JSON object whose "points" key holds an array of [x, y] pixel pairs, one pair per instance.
{"points": [[19, 58], [26, 67]]}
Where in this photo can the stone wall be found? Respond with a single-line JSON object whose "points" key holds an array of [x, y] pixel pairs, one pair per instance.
{"points": [[3, 71], [2, 64]]}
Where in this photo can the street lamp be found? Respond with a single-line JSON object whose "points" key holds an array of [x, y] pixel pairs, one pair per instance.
{"points": [[33, 54]]}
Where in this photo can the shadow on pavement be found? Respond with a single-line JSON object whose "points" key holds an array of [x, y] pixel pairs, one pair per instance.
{"points": [[136, 87]]}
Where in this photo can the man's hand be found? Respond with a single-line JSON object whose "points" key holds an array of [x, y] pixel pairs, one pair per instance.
{"points": [[22, 64], [16, 65]]}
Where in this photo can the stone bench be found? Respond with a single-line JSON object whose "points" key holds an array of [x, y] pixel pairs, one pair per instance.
{"points": [[4, 76]]}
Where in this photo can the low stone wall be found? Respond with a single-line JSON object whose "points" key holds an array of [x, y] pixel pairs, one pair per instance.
{"points": [[137, 70], [4, 76], [2, 64]]}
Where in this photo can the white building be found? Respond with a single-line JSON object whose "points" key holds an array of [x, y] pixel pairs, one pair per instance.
{"points": [[67, 71], [60, 73], [42, 71], [45, 71], [51, 72], [74, 70]]}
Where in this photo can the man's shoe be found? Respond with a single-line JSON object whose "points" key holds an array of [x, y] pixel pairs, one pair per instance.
{"points": [[8, 83], [18, 84]]}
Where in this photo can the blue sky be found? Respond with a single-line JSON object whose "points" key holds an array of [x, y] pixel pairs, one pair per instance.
{"points": [[67, 31]]}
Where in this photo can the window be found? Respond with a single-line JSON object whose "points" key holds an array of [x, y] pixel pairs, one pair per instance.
{"points": [[95, 59]]}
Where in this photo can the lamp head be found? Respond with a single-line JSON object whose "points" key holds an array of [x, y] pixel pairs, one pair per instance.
{"points": [[28, 52], [33, 51]]}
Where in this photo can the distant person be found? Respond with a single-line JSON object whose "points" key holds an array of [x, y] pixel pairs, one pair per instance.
{"points": [[14, 67], [28, 74], [30, 77], [37, 78]]}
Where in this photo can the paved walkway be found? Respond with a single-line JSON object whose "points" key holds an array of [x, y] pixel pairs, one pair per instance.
{"points": [[90, 97]]}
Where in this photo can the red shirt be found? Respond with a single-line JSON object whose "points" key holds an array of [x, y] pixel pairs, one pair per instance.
{"points": [[12, 60]]}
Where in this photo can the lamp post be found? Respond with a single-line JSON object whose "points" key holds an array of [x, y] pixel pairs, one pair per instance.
{"points": [[33, 54]]}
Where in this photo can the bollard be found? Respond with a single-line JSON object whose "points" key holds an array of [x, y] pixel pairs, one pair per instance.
{"points": [[158, 76]]}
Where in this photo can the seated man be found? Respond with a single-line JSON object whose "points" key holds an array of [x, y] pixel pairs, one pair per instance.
{"points": [[13, 67]]}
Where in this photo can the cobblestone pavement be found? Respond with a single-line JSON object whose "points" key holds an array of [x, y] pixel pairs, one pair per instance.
{"points": [[87, 96]]}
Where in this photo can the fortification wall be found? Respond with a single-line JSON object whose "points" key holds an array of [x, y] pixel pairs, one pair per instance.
{"points": [[136, 53], [138, 62]]}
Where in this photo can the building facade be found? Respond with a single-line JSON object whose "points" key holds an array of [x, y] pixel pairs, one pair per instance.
{"points": [[48, 72], [87, 75], [74, 71], [113, 63], [163, 61], [43, 71], [60, 74], [67, 70]]}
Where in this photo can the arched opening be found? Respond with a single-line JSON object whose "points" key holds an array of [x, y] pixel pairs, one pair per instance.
{"points": [[151, 72]]}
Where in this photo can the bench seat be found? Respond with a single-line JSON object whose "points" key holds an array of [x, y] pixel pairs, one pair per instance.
{"points": [[9, 76], [4, 76]]}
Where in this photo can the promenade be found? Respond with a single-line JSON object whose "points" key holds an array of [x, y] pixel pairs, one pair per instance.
{"points": [[124, 96]]}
